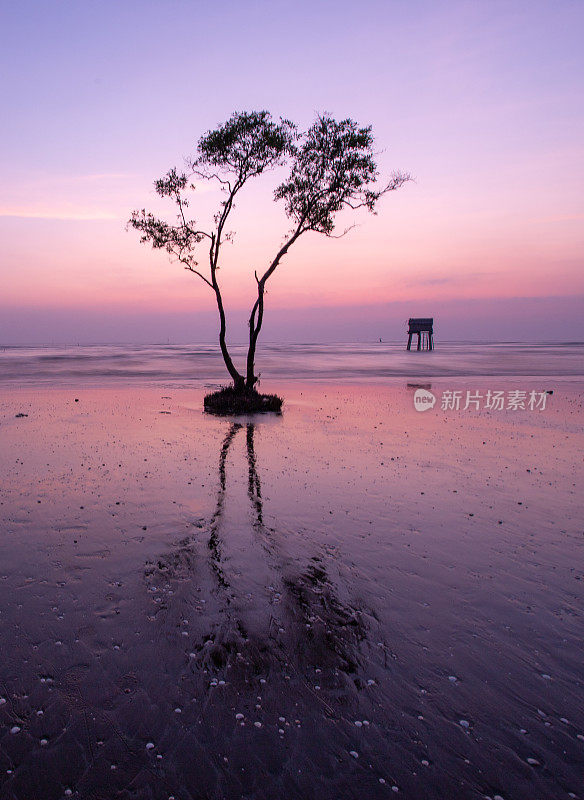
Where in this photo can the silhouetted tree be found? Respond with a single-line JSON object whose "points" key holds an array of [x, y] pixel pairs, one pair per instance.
{"points": [[332, 167]]}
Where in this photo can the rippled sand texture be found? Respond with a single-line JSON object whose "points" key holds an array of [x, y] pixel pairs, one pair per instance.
{"points": [[351, 600]]}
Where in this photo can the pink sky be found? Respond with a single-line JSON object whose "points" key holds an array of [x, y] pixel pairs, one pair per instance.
{"points": [[482, 103]]}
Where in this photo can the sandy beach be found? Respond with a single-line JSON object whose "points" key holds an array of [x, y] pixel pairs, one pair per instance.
{"points": [[352, 599]]}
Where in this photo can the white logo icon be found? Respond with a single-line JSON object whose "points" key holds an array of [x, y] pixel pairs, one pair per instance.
{"points": [[423, 400]]}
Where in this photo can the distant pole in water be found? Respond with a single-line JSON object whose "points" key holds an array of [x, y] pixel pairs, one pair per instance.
{"points": [[424, 328]]}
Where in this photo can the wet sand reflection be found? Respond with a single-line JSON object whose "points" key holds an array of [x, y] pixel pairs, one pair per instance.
{"points": [[340, 602], [279, 661]]}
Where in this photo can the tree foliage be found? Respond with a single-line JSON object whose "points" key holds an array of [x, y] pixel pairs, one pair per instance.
{"points": [[332, 167]]}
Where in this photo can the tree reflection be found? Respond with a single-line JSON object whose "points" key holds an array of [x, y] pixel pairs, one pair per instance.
{"points": [[295, 619]]}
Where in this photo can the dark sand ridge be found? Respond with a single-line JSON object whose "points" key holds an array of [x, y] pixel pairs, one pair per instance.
{"points": [[342, 564]]}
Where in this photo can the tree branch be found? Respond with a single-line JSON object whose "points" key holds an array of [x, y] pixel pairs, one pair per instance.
{"points": [[196, 272], [340, 235]]}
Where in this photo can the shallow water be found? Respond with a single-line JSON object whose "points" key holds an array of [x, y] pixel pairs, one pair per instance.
{"points": [[352, 599], [199, 364]]}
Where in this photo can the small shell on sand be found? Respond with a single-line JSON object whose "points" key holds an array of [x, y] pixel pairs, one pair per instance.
{"points": [[150, 746], [15, 729], [354, 753]]}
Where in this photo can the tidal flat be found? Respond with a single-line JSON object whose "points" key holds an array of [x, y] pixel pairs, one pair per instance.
{"points": [[352, 599]]}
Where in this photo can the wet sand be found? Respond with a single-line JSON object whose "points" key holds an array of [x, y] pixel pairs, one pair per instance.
{"points": [[351, 600]]}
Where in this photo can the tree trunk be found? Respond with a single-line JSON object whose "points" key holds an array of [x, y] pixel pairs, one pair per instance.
{"points": [[238, 380], [255, 325], [254, 332]]}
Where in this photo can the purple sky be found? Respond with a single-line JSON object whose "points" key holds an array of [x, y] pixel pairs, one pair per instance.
{"points": [[481, 101]]}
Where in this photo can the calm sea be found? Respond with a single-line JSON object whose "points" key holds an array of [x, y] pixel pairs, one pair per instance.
{"points": [[202, 364]]}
